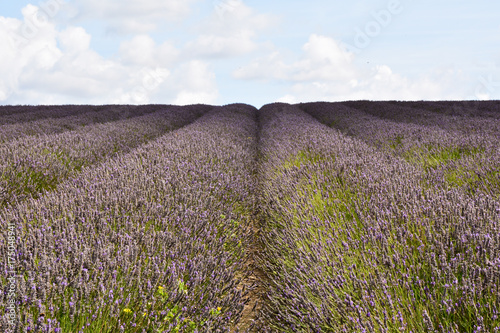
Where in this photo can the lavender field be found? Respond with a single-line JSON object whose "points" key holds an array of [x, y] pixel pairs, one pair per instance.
{"points": [[315, 217]]}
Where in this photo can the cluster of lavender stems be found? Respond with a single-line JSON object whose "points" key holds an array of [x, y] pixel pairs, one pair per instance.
{"points": [[424, 116], [27, 126], [489, 109], [152, 240], [13, 114], [32, 165], [357, 239], [450, 154]]}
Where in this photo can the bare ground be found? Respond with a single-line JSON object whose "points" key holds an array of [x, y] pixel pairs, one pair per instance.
{"points": [[253, 285]]}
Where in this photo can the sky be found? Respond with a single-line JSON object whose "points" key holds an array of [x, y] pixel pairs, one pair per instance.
{"points": [[255, 52]]}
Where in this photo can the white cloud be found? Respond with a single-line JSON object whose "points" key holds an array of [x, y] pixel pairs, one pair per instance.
{"points": [[322, 59], [141, 85], [190, 83], [221, 46], [74, 40], [269, 67], [57, 67], [131, 16], [230, 16], [290, 99], [195, 83], [189, 97], [325, 71], [231, 30], [380, 83], [29, 44], [143, 50]]}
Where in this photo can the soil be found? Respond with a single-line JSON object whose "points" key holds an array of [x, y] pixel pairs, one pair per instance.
{"points": [[254, 284]]}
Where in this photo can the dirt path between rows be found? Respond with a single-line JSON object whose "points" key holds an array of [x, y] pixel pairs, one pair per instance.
{"points": [[254, 284]]}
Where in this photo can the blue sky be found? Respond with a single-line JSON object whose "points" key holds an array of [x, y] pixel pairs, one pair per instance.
{"points": [[255, 52]]}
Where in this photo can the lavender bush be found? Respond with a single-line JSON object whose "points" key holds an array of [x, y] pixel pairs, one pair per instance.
{"points": [[62, 124], [355, 243], [149, 241], [406, 114], [21, 113], [32, 165], [459, 108], [450, 158]]}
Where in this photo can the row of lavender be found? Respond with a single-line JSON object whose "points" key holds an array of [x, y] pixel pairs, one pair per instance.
{"points": [[13, 114], [450, 158], [154, 240], [34, 164], [356, 242], [402, 112], [458, 108], [59, 124], [7, 110]]}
